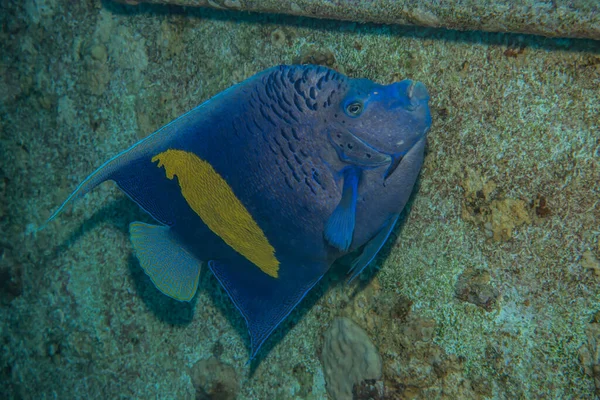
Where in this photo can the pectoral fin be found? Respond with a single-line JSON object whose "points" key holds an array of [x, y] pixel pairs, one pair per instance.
{"points": [[262, 300], [172, 269], [340, 225], [372, 248]]}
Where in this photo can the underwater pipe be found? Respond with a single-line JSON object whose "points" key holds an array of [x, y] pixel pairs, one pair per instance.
{"points": [[553, 18]]}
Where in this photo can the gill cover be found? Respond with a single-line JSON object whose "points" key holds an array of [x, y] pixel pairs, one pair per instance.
{"points": [[353, 150]]}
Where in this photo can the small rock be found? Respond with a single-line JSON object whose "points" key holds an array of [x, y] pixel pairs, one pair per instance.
{"points": [[497, 217], [589, 261], [369, 389], [11, 283], [393, 306], [278, 38], [474, 287], [170, 40], [417, 329], [99, 53], [235, 4], [589, 354], [540, 205], [317, 57], [349, 358], [214, 380], [97, 77], [506, 215]]}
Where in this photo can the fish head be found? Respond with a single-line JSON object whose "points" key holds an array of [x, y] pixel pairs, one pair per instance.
{"points": [[374, 125]]}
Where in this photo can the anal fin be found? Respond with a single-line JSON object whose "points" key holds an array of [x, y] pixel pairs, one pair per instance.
{"points": [[264, 301], [372, 248], [172, 269], [340, 225]]}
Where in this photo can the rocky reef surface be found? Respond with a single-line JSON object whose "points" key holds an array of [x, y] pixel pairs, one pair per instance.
{"points": [[558, 18], [489, 288]]}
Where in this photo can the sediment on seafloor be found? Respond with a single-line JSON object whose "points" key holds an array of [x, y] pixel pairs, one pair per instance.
{"points": [[560, 18]]}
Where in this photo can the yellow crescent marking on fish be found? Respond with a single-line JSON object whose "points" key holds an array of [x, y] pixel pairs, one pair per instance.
{"points": [[209, 195]]}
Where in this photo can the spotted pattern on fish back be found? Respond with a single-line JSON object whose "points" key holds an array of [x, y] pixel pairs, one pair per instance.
{"points": [[278, 107]]}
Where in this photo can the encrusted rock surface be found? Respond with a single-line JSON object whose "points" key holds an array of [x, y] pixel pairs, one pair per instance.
{"points": [[560, 18], [589, 352], [514, 118], [213, 379], [349, 358], [474, 286]]}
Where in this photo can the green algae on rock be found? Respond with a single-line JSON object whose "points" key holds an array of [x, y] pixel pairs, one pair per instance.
{"points": [[76, 326]]}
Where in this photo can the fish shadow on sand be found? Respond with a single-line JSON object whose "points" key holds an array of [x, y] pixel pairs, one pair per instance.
{"points": [[165, 308], [120, 212], [443, 34]]}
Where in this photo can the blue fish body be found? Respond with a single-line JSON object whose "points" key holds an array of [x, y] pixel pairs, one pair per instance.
{"points": [[269, 183]]}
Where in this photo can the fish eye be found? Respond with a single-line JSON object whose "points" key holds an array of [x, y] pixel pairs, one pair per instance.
{"points": [[354, 109]]}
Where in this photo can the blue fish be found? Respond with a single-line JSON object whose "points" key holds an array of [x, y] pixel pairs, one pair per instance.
{"points": [[269, 182]]}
